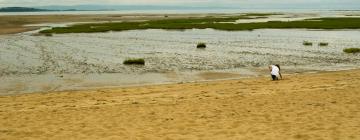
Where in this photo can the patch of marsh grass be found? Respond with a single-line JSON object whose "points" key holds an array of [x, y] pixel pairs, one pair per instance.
{"points": [[307, 43], [139, 61], [201, 45], [352, 50], [218, 23], [323, 44]]}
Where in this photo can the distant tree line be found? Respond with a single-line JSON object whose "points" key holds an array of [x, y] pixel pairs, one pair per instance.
{"points": [[21, 9]]}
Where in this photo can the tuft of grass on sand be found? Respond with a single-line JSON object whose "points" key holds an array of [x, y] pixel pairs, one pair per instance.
{"points": [[352, 50], [307, 43], [201, 45], [323, 44], [139, 61]]}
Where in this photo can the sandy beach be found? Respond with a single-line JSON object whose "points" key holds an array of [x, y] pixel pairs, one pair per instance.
{"points": [[71, 75], [323, 105]]}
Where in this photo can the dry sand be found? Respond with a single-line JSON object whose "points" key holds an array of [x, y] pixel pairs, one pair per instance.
{"points": [[303, 106]]}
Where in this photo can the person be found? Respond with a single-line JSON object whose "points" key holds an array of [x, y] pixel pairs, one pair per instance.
{"points": [[275, 72]]}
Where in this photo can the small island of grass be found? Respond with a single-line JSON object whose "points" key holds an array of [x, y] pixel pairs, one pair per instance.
{"points": [[352, 50], [139, 61], [201, 46], [307, 43], [323, 44]]}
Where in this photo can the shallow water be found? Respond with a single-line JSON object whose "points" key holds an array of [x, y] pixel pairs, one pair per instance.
{"points": [[37, 63], [180, 11]]}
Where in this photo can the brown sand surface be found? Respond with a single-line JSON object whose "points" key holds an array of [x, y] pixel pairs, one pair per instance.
{"points": [[317, 106], [10, 24]]}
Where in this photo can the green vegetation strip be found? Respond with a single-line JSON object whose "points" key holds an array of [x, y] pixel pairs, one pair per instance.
{"points": [[352, 50], [218, 23]]}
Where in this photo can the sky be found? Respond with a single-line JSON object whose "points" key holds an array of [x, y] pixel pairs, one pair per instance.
{"points": [[29, 3]]}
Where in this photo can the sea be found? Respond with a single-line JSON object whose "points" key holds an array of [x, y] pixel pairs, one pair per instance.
{"points": [[181, 11]]}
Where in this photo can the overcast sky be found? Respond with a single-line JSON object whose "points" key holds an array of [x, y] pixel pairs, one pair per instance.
{"points": [[6, 3]]}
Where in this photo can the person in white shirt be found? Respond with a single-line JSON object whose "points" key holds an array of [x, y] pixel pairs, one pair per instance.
{"points": [[275, 72]]}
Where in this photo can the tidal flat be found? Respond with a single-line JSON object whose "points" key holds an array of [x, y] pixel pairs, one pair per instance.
{"points": [[73, 61], [55, 61]]}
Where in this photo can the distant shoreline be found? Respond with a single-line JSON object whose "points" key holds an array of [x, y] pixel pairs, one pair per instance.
{"points": [[26, 9]]}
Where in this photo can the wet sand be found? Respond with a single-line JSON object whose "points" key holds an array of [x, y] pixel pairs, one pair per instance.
{"points": [[323, 105], [77, 61]]}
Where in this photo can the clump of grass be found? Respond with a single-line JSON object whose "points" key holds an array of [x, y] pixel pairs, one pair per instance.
{"points": [[352, 50], [201, 45], [48, 34], [139, 61], [323, 44], [307, 43]]}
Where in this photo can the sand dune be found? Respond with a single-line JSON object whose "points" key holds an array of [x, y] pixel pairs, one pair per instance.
{"points": [[303, 106]]}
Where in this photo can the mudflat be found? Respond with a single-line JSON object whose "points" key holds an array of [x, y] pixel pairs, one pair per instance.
{"points": [[323, 105]]}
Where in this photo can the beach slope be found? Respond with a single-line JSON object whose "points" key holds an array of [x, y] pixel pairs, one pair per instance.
{"points": [[324, 105]]}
